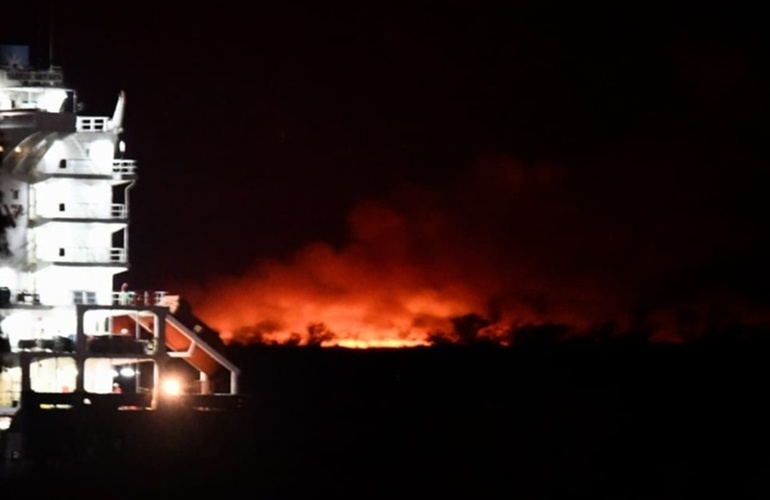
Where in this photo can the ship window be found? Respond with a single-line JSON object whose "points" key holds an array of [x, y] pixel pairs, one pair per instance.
{"points": [[56, 375], [62, 163], [120, 375], [15, 193], [61, 252], [61, 207], [10, 387]]}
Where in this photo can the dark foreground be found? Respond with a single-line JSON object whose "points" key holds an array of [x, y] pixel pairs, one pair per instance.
{"points": [[587, 422]]}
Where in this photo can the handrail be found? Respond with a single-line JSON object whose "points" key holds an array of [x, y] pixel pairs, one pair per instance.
{"points": [[119, 211], [95, 167], [87, 255], [92, 123], [118, 298], [79, 210], [213, 353], [138, 297], [118, 255], [123, 166], [52, 77]]}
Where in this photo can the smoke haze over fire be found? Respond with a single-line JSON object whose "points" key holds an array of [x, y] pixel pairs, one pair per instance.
{"points": [[618, 243]]}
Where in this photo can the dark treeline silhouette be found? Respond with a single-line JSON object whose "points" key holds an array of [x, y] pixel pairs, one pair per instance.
{"points": [[619, 416], [476, 330]]}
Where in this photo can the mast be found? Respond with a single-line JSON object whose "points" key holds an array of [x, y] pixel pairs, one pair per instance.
{"points": [[50, 35]]}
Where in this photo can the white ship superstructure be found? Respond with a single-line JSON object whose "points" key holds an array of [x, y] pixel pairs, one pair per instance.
{"points": [[68, 337]]}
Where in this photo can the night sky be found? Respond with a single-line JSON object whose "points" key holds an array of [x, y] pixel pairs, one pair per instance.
{"points": [[527, 162]]}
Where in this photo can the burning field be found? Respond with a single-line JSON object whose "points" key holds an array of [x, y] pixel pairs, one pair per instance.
{"points": [[510, 253]]}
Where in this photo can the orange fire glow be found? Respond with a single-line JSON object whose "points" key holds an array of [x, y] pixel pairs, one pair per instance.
{"points": [[505, 248]]}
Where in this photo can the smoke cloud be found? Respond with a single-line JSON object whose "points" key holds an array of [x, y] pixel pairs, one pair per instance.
{"points": [[506, 252]]}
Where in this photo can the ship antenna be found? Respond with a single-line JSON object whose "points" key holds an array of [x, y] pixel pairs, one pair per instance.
{"points": [[50, 35]]}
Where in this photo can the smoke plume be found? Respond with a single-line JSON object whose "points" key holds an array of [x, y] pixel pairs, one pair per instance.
{"points": [[507, 252]]}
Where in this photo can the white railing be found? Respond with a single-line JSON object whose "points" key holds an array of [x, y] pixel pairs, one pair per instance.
{"points": [[92, 123], [118, 255], [84, 166], [26, 298], [87, 166], [88, 255], [91, 297], [119, 211], [48, 78], [68, 210], [123, 166], [138, 297]]}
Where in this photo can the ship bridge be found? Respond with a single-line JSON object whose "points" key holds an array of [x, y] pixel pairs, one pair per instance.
{"points": [[68, 340]]}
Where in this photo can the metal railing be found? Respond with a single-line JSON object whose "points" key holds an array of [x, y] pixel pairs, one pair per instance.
{"points": [[92, 123], [90, 297], [53, 77], [84, 166], [87, 255], [80, 211], [118, 255], [123, 166], [87, 166], [118, 211], [25, 297], [138, 297]]}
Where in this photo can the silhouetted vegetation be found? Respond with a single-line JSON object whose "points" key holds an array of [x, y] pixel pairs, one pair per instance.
{"points": [[318, 333], [475, 330], [468, 328], [547, 334]]}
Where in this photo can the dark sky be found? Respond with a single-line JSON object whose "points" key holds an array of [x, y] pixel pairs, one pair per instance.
{"points": [[258, 129]]}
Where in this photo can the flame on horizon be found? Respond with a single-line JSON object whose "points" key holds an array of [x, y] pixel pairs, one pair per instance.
{"points": [[507, 251]]}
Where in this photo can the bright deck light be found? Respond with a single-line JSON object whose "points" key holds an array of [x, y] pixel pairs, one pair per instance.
{"points": [[5, 423], [172, 387]]}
